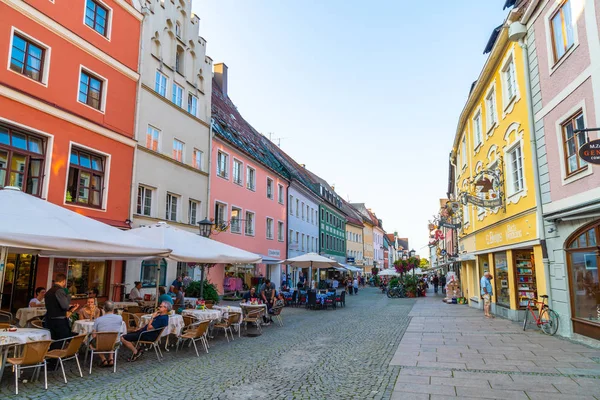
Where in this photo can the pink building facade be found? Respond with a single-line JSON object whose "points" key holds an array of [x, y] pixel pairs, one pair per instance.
{"points": [[564, 64], [248, 194]]}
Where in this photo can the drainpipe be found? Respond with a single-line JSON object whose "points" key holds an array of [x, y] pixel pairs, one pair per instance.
{"points": [[517, 33], [210, 144], [287, 229]]}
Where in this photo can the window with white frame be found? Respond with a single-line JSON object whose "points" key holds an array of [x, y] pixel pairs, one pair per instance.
{"points": [[515, 165], [572, 142], [270, 228], [152, 138], [297, 208], [97, 16], [307, 213], [490, 109], [251, 178], [178, 29], [178, 148], [302, 206], [91, 90], [144, 201], [561, 24], [237, 172], [236, 223], [28, 58], [197, 160], [291, 237], [222, 165], [192, 104], [193, 212], [298, 239], [303, 240], [510, 81], [220, 214], [160, 84], [270, 193], [478, 136], [172, 207], [280, 194], [177, 95], [280, 230], [86, 177], [290, 203], [249, 223]]}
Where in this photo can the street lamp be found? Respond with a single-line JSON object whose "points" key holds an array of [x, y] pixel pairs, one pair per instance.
{"points": [[205, 231]]}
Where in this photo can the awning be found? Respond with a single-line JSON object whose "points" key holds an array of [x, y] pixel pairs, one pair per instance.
{"points": [[351, 268], [270, 260], [466, 257], [581, 212]]}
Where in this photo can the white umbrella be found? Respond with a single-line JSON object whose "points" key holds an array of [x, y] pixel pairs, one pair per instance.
{"points": [[388, 272], [310, 260], [40, 227]]}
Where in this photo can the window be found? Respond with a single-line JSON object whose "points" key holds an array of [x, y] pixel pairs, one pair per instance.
{"points": [[322, 214], [297, 208], [179, 60], [152, 138], [96, 17], [160, 84], [477, 129], [516, 169], [302, 211], [291, 237], [220, 214], [171, 210], [236, 222], [144, 201], [297, 240], [21, 160], [510, 84], [322, 240], [249, 223], [302, 242], [280, 231], [90, 90], [501, 279], [193, 212], [251, 178], [269, 228], [86, 176], [27, 58], [270, 188], [561, 25], [177, 95], [83, 276], [463, 150], [237, 172], [490, 109], [178, 150], [290, 204], [280, 194], [192, 104], [178, 29], [312, 215], [222, 165], [151, 272], [466, 217], [197, 160], [572, 142]]}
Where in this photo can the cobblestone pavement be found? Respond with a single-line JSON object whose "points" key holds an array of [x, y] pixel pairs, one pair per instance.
{"points": [[332, 354], [451, 351]]}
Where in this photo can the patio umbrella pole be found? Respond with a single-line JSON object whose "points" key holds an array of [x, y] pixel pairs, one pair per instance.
{"points": [[156, 295], [202, 281]]}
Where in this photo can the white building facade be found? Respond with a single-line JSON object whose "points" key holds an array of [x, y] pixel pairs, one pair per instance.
{"points": [[171, 167], [378, 246]]}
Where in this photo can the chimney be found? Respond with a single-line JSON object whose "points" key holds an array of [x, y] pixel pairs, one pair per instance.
{"points": [[220, 70]]}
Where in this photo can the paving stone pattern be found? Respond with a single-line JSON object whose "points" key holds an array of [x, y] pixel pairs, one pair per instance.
{"points": [[451, 351], [333, 354]]}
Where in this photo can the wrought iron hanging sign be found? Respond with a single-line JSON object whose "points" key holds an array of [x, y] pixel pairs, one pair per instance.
{"points": [[485, 189], [590, 152]]}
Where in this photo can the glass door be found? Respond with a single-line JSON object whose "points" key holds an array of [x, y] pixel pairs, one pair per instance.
{"points": [[19, 281]]}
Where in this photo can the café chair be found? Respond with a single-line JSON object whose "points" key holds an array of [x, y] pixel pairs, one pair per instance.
{"points": [[195, 332], [152, 343], [106, 343], [33, 356], [69, 353]]}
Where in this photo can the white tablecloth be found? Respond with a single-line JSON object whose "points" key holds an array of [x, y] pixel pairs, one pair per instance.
{"points": [[204, 315], [175, 324], [24, 335], [190, 300], [25, 314], [125, 304], [86, 326], [227, 309]]}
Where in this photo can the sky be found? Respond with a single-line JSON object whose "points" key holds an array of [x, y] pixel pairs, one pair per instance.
{"points": [[367, 94]]}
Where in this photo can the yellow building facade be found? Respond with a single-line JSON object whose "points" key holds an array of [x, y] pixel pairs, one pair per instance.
{"points": [[495, 185]]}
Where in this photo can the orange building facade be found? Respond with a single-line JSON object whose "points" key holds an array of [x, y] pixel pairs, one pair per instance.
{"points": [[68, 87]]}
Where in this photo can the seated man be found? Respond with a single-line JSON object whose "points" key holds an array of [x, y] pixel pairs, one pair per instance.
{"points": [[179, 300], [109, 322], [163, 296], [251, 295], [38, 300], [159, 320]]}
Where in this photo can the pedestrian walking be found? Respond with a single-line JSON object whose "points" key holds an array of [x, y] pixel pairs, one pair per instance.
{"points": [[443, 283], [349, 286], [436, 282], [486, 293], [58, 305], [355, 285]]}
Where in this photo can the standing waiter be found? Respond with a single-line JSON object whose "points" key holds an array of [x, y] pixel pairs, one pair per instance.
{"points": [[58, 304]]}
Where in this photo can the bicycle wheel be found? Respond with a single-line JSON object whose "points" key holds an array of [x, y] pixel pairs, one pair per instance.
{"points": [[390, 292], [549, 321], [525, 320]]}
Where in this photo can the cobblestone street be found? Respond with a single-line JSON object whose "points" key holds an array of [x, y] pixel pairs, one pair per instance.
{"points": [[333, 354]]}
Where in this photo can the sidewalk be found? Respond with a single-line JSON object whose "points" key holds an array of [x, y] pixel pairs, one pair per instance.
{"points": [[451, 351]]}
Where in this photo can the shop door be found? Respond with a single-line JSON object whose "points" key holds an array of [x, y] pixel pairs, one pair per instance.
{"points": [[19, 281]]}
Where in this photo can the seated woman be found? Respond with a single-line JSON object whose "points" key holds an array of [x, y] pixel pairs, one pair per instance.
{"points": [[90, 311], [38, 300]]}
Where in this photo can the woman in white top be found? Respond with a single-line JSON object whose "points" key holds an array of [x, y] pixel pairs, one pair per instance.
{"points": [[38, 300], [135, 292]]}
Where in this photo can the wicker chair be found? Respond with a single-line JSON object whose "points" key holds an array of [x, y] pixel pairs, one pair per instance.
{"points": [[7, 317], [134, 309], [276, 312], [188, 321], [69, 353], [228, 323], [105, 344], [195, 332], [132, 321], [254, 317], [33, 356], [145, 340]]}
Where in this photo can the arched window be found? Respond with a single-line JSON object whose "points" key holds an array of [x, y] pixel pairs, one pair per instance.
{"points": [[151, 271], [178, 29], [179, 59], [582, 261]]}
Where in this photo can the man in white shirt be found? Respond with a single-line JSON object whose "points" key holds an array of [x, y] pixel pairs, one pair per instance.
{"points": [[335, 283], [135, 292]]}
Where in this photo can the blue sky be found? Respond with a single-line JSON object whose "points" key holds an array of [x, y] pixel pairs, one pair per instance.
{"points": [[367, 94]]}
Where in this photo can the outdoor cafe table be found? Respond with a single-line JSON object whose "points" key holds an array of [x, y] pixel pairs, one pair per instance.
{"points": [[25, 314], [125, 304], [203, 315], [323, 296], [227, 309], [18, 337], [86, 326]]}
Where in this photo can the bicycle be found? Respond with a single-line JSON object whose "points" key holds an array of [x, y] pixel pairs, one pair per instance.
{"points": [[547, 319], [396, 292]]}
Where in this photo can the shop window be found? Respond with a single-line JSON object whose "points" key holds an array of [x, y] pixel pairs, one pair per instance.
{"points": [[502, 284], [582, 259], [151, 272], [85, 276], [525, 276], [86, 178], [21, 160]]}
